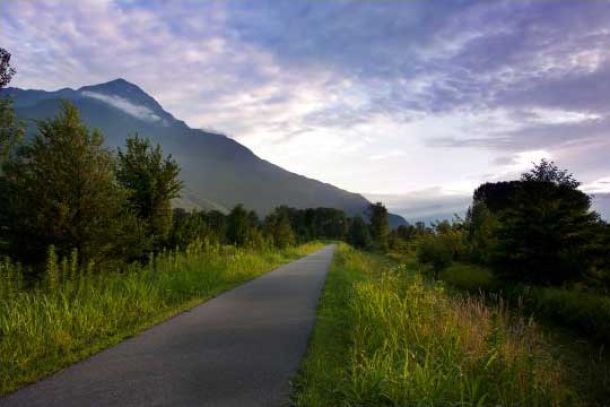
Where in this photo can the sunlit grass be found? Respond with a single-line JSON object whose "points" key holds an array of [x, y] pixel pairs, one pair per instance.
{"points": [[73, 313], [385, 336]]}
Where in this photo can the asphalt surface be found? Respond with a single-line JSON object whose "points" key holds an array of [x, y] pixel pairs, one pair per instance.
{"points": [[238, 349]]}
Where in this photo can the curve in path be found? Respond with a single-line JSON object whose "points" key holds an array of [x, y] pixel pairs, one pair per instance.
{"points": [[238, 349]]}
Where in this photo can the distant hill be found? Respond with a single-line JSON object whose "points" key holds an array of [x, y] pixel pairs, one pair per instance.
{"points": [[218, 171]]}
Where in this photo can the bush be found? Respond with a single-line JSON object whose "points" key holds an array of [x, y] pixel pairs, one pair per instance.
{"points": [[468, 277], [436, 251], [586, 313]]}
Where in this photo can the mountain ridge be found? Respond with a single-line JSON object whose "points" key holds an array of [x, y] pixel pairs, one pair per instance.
{"points": [[218, 171]]}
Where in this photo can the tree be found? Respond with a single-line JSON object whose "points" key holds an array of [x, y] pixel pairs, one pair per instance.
{"points": [[481, 228], [358, 234], [62, 191], [547, 171], [539, 229], [278, 227], [152, 181], [436, 251], [239, 223], [546, 236], [11, 129], [6, 70], [378, 219]]}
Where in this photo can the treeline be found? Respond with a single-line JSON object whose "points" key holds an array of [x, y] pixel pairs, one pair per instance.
{"points": [[281, 228], [64, 195], [64, 190], [538, 230]]}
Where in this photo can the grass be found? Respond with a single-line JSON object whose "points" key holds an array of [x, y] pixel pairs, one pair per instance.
{"points": [[74, 313], [385, 336], [467, 277]]}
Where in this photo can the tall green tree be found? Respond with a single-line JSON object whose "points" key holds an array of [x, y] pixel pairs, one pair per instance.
{"points": [[152, 181], [61, 190], [358, 234], [11, 129], [378, 219], [239, 223], [540, 229], [279, 228]]}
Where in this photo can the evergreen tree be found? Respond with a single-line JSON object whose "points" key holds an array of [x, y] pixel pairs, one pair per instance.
{"points": [[239, 223], [278, 227], [152, 181], [546, 236], [62, 191], [11, 130], [378, 219], [358, 234]]}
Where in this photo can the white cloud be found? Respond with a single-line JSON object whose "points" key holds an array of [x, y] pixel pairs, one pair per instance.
{"points": [[137, 111], [324, 114]]}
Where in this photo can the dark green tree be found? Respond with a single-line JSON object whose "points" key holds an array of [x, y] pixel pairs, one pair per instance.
{"points": [[546, 236], [358, 234], [481, 230], [547, 171], [11, 129], [279, 228], [239, 223], [378, 220], [539, 229], [152, 181], [62, 191], [437, 251]]}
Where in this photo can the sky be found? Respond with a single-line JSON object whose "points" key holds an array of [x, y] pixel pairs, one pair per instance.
{"points": [[414, 103]]}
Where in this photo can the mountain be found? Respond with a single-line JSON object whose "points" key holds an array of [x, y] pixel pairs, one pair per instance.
{"points": [[218, 171]]}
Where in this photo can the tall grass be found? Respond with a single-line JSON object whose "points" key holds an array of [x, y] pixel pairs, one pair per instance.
{"points": [[386, 337], [73, 312]]}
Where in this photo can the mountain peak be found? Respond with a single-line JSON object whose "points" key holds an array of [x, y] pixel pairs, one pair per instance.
{"points": [[117, 87], [128, 97]]}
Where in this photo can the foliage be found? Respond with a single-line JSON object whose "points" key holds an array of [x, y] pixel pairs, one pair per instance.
{"points": [[386, 337], [279, 229], [469, 277], [61, 191], [11, 129], [6, 70], [481, 228], [152, 182], [435, 251], [358, 234], [243, 228], [73, 312], [378, 219], [189, 227], [539, 229], [584, 312], [547, 171], [546, 236]]}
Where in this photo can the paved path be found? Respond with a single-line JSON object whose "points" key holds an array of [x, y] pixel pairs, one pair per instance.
{"points": [[238, 349]]}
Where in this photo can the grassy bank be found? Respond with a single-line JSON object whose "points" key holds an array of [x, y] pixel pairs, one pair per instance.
{"points": [[74, 313], [386, 337]]}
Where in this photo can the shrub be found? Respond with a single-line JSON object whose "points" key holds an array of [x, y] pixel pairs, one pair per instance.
{"points": [[586, 313], [468, 277]]}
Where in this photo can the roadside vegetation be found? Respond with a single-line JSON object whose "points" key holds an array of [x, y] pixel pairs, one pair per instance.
{"points": [[91, 250], [388, 336], [508, 306], [73, 312]]}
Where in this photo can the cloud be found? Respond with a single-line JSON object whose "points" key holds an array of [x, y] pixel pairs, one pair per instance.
{"points": [[463, 89], [137, 111]]}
